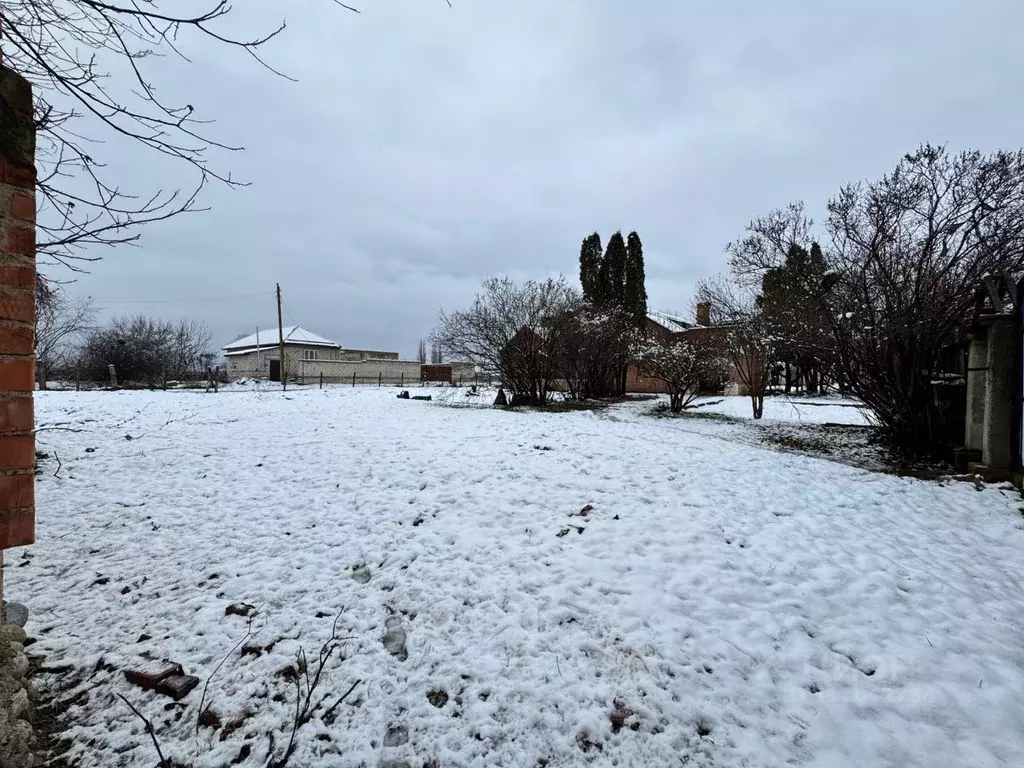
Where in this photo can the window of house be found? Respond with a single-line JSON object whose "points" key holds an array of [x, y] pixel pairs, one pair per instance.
{"points": [[311, 354]]}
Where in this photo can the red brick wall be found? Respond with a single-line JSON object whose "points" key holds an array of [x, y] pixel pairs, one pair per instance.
{"points": [[635, 382], [17, 302]]}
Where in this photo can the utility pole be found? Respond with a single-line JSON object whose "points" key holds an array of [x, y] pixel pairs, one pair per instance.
{"points": [[280, 341]]}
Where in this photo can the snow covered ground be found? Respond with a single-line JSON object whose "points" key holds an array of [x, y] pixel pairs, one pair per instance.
{"points": [[721, 605], [803, 410]]}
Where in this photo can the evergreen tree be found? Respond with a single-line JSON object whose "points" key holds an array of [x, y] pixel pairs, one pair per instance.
{"points": [[590, 266], [614, 269], [790, 303], [634, 289]]}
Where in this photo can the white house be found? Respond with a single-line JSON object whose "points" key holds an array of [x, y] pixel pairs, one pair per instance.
{"points": [[258, 355]]}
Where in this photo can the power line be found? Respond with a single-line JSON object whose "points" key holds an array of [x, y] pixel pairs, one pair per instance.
{"points": [[175, 302]]}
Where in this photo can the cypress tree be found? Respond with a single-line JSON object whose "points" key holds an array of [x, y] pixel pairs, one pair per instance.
{"points": [[614, 267], [590, 266], [634, 288]]}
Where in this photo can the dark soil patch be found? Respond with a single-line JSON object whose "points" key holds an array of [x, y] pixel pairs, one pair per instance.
{"points": [[56, 697]]}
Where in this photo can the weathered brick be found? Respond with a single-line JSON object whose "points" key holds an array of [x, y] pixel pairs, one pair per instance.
{"points": [[17, 452], [19, 175], [17, 375], [18, 304], [17, 491], [16, 93], [16, 340], [18, 277], [21, 240], [18, 530], [23, 207], [16, 413]]}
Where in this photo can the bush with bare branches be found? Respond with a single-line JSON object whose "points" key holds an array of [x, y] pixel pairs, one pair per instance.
{"points": [[685, 366], [750, 342], [510, 328], [911, 250], [883, 303], [61, 321], [146, 350], [593, 347]]}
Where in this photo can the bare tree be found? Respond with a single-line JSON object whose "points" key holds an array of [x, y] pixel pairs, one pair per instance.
{"points": [[60, 322], [768, 242], [910, 250], [421, 355], [685, 366], [592, 347], [69, 50], [509, 329], [144, 349], [750, 343]]}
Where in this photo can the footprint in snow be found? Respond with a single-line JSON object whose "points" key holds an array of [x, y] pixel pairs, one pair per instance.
{"points": [[394, 638]]}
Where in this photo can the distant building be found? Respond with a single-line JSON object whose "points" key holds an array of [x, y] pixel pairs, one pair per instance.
{"points": [[667, 329], [309, 354]]}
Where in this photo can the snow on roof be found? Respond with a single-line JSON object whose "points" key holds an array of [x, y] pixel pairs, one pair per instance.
{"points": [[671, 322], [293, 334]]}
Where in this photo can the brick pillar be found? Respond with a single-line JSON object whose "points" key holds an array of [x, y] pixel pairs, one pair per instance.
{"points": [[17, 301]]}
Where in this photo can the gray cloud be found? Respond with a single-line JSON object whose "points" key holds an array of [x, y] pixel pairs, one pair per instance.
{"points": [[425, 148]]}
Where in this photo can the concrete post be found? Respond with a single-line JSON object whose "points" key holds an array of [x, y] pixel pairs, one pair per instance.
{"points": [[997, 452], [17, 311], [977, 382]]}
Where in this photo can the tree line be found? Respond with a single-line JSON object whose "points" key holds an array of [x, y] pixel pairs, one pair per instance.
{"points": [[144, 350], [537, 336], [878, 298]]}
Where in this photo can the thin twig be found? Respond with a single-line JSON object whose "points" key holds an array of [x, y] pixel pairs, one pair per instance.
{"points": [[335, 705], [56, 472], [150, 730], [248, 634]]}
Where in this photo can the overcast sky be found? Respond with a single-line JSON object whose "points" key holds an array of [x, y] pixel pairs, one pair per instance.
{"points": [[425, 148]]}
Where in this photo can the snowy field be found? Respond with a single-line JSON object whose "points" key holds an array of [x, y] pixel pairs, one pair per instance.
{"points": [[721, 605]]}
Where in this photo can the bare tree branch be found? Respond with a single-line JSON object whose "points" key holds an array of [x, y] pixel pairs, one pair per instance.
{"points": [[88, 61]]}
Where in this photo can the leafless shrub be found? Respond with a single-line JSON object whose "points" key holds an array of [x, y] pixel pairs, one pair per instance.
{"points": [[592, 348], [749, 342], [60, 321], [910, 251], [510, 328], [144, 349], [685, 366]]}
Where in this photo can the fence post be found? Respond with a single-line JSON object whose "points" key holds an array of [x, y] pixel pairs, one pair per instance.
{"points": [[380, 377], [353, 378], [321, 379], [403, 379], [78, 378], [113, 375], [216, 379], [163, 375]]}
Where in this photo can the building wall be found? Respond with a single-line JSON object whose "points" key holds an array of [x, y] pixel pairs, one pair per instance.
{"points": [[368, 371], [366, 354], [17, 312], [249, 366]]}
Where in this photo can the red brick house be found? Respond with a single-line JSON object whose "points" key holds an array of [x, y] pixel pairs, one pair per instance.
{"points": [[667, 328]]}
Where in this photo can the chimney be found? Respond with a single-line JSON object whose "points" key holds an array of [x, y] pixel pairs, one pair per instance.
{"points": [[704, 313]]}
